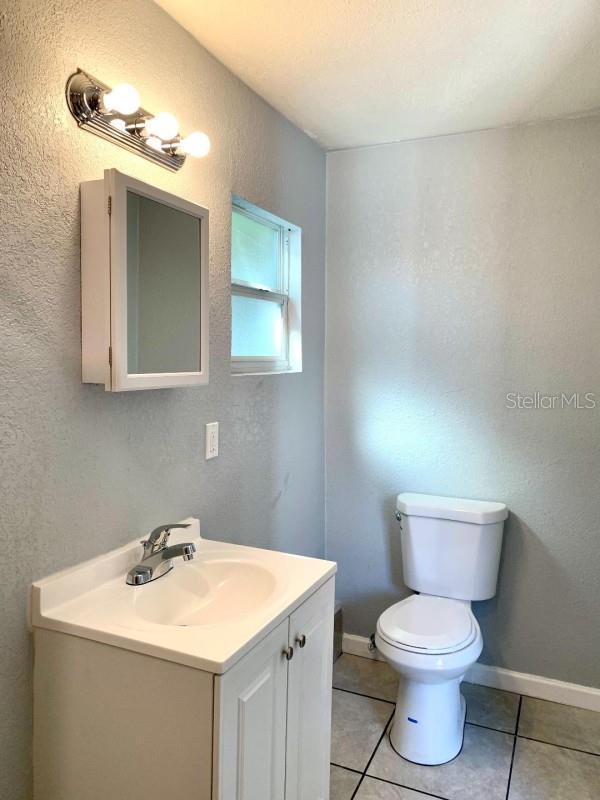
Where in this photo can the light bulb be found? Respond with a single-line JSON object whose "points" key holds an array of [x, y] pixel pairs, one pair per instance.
{"points": [[155, 143], [124, 98], [163, 125], [119, 124], [196, 144]]}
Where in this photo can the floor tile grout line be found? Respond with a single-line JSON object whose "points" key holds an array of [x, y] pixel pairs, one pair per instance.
{"points": [[515, 734], [555, 744], [439, 797], [391, 702], [404, 786], [514, 747], [490, 728], [360, 694], [476, 724], [362, 777], [348, 769]]}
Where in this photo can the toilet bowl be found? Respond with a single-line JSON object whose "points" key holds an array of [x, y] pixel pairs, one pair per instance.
{"points": [[450, 554], [430, 642]]}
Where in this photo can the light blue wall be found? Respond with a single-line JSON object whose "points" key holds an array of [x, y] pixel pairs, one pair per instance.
{"points": [[459, 269], [83, 471]]}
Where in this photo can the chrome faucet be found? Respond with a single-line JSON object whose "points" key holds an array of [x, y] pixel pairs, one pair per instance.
{"points": [[157, 558]]}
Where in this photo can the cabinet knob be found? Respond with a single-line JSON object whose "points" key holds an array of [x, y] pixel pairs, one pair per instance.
{"points": [[301, 640], [288, 652]]}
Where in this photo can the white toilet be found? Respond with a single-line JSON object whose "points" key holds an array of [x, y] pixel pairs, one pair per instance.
{"points": [[450, 554]]}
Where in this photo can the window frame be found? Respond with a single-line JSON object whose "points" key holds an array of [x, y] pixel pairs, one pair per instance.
{"points": [[287, 294]]}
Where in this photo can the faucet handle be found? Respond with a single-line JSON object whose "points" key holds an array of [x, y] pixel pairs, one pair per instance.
{"points": [[160, 536]]}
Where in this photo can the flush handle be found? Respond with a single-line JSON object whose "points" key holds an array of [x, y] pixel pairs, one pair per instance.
{"points": [[301, 640], [288, 652]]}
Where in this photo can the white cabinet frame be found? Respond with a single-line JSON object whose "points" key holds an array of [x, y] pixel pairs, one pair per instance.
{"points": [[104, 285]]}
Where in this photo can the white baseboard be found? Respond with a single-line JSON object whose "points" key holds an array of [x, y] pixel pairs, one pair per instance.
{"points": [[571, 694]]}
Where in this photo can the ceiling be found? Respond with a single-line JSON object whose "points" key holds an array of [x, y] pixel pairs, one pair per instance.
{"points": [[365, 72]]}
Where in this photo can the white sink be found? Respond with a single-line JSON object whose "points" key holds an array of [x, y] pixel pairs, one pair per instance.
{"points": [[205, 613], [207, 591]]}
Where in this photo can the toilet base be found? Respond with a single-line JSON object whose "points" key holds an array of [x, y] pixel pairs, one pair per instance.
{"points": [[429, 722]]}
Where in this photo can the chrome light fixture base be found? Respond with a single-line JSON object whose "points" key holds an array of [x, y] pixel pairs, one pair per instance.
{"points": [[84, 97]]}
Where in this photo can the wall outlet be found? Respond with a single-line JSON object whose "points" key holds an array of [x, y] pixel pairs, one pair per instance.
{"points": [[212, 440]]}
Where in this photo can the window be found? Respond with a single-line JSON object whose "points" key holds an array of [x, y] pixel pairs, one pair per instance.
{"points": [[265, 292]]}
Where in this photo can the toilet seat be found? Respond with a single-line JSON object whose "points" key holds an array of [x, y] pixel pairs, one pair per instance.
{"points": [[427, 624]]}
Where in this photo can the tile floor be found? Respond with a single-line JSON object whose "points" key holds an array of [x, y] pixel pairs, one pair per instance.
{"points": [[516, 748]]}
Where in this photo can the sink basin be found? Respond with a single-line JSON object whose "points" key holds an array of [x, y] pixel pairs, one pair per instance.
{"points": [[205, 592], [204, 613]]}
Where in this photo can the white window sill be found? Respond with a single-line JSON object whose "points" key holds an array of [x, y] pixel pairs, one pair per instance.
{"points": [[269, 372]]}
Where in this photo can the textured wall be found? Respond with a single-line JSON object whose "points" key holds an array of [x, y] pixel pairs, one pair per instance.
{"points": [[83, 471], [460, 269]]}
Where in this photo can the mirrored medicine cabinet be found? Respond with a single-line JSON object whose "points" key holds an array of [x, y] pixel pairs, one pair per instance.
{"points": [[144, 286]]}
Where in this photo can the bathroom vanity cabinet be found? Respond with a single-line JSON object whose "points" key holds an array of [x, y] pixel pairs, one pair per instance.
{"points": [[112, 723]]}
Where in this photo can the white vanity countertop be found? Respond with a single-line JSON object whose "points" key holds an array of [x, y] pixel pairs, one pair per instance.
{"points": [[236, 595]]}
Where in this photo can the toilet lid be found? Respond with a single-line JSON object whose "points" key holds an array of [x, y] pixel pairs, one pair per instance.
{"points": [[426, 623]]}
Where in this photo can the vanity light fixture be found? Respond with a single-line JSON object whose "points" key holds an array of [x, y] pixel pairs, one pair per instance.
{"points": [[116, 114]]}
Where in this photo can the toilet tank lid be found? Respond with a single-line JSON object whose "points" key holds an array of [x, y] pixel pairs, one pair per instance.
{"points": [[479, 512]]}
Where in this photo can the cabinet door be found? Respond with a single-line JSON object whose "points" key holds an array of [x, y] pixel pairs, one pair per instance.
{"points": [[309, 697], [250, 723], [144, 258]]}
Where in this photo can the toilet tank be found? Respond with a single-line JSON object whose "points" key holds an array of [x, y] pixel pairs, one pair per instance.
{"points": [[451, 547]]}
